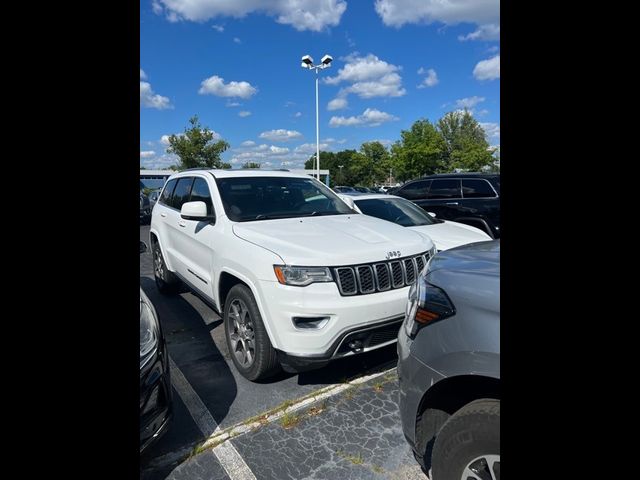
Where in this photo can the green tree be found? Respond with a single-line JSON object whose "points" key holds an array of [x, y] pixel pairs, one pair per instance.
{"points": [[250, 165], [196, 147], [420, 151], [466, 145], [368, 166]]}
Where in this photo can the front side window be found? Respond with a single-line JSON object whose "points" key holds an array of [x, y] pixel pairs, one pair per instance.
{"points": [[200, 193], [265, 198], [396, 210], [472, 188], [167, 192], [182, 192], [445, 188]]}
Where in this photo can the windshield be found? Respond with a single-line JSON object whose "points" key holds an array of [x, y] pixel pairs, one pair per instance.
{"points": [[396, 210], [266, 198]]}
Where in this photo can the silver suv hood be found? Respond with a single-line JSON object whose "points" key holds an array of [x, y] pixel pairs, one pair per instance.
{"points": [[332, 240]]}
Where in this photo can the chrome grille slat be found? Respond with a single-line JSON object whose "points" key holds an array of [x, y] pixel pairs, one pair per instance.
{"points": [[379, 277]]}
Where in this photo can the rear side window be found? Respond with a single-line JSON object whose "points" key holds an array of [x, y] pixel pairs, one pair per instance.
{"points": [[415, 190], [181, 193], [200, 193], [167, 192], [445, 189], [479, 188]]}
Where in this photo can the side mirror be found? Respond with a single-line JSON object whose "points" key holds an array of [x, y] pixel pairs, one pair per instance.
{"points": [[349, 201], [143, 247], [432, 214], [195, 211]]}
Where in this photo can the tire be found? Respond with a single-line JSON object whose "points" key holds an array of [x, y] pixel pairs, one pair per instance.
{"points": [[247, 339], [427, 426], [166, 281], [470, 439]]}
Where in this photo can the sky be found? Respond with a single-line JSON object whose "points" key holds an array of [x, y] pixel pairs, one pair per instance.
{"points": [[236, 64]]}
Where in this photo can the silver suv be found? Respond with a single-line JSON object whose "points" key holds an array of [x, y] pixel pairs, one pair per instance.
{"points": [[449, 364]]}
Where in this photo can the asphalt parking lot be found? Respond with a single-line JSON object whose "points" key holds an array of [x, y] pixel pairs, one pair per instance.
{"points": [[213, 394]]}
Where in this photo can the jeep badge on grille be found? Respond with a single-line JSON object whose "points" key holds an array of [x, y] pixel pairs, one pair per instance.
{"points": [[394, 254]]}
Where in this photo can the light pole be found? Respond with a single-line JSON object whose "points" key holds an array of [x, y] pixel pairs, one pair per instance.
{"points": [[340, 167], [325, 62]]}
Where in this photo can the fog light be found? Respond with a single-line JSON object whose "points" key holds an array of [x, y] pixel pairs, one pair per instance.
{"points": [[310, 323]]}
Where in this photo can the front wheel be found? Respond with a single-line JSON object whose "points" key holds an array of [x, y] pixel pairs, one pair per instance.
{"points": [[247, 339], [468, 445]]}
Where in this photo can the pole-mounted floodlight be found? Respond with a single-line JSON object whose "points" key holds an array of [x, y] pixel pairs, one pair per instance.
{"points": [[325, 62]]}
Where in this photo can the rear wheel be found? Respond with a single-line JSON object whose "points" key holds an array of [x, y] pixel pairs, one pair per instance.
{"points": [[468, 445], [166, 281], [247, 339]]}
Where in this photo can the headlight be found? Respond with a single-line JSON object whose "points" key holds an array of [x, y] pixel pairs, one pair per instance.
{"points": [[148, 333], [301, 276], [426, 304]]}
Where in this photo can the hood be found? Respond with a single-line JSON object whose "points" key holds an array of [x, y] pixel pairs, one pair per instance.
{"points": [[448, 235], [481, 258], [332, 240]]}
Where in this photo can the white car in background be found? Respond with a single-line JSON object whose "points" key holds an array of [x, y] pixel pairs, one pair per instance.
{"points": [[445, 234]]}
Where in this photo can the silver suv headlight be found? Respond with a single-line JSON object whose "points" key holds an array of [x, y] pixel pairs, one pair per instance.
{"points": [[148, 333], [301, 276]]}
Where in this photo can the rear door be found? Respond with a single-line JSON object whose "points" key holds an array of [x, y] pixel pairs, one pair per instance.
{"points": [[175, 226], [414, 191], [444, 199]]}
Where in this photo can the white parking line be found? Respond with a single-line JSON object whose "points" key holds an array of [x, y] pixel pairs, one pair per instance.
{"points": [[226, 453]]}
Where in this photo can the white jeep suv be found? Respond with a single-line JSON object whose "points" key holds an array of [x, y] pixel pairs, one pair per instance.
{"points": [[298, 277]]}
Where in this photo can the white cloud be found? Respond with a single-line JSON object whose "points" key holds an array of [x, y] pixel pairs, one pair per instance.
{"points": [[248, 143], [488, 69], [218, 28], [491, 129], [147, 154], [395, 13], [430, 80], [337, 104], [302, 15], [215, 86], [150, 99], [280, 135], [143, 76], [469, 102], [278, 150], [482, 113], [384, 141], [489, 32], [236, 40], [244, 113], [159, 163], [232, 104], [369, 77], [164, 139], [297, 114], [370, 117], [310, 148]]}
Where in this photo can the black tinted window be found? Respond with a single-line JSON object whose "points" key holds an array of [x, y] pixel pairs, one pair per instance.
{"points": [[415, 190], [181, 193], [200, 193], [445, 189], [396, 210], [477, 189], [167, 192]]}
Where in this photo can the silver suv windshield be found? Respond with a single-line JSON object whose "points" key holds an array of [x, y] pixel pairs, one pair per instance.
{"points": [[266, 198]]}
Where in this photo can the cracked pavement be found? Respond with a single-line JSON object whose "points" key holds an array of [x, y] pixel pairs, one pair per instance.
{"points": [[357, 435]]}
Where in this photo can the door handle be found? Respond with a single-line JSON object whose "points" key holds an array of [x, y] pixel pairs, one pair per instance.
{"points": [[183, 224], [451, 203], [163, 214]]}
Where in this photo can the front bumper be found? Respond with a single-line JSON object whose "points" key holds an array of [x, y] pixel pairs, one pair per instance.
{"points": [[346, 315], [414, 379], [156, 406], [354, 341]]}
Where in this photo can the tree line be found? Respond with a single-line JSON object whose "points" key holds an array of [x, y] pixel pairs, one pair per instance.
{"points": [[455, 142]]}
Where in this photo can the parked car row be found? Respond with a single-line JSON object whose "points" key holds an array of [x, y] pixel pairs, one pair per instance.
{"points": [[302, 276]]}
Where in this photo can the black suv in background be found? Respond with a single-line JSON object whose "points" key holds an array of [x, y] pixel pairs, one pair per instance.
{"points": [[471, 198]]}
